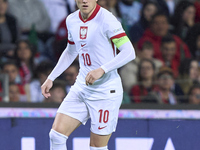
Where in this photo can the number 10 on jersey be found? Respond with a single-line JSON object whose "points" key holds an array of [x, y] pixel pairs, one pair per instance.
{"points": [[86, 59]]}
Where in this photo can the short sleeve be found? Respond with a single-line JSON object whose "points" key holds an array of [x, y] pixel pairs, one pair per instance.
{"points": [[70, 39], [112, 26]]}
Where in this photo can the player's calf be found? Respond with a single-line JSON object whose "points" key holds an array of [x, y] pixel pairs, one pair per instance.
{"points": [[99, 148], [57, 140]]}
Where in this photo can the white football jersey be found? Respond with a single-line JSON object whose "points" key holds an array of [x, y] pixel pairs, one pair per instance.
{"points": [[92, 39]]}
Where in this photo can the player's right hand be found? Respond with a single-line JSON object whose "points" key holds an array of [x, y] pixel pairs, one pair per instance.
{"points": [[46, 86]]}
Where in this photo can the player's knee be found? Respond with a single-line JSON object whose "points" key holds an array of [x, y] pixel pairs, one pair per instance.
{"points": [[57, 137], [99, 148]]}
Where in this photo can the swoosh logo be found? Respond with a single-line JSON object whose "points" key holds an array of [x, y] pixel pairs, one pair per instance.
{"points": [[101, 127], [83, 45]]}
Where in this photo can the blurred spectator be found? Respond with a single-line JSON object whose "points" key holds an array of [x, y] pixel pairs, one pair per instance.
{"points": [[167, 6], [189, 74], [29, 13], [168, 50], [193, 41], [34, 23], [137, 30], [183, 18], [1, 90], [114, 9], [146, 76], [126, 98], [130, 11], [57, 93], [103, 3], [194, 94], [12, 70], [41, 73], [70, 75], [198, 48], [129, 71], [14, 94], [163, 94], [57, 11], [61, 39], [8, 31], [159, 28], [147, 52], [24, 56], [197, 6]]}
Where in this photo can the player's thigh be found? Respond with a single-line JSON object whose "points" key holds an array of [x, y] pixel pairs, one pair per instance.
{"points": [[104, 115], [71, 113], [65, 124], [99, 140]]}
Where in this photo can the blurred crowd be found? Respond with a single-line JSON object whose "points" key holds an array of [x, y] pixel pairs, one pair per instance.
{"points": [[165, 35]]}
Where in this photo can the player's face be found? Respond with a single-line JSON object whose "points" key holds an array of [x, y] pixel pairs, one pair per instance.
{"points": [[86, 7]]}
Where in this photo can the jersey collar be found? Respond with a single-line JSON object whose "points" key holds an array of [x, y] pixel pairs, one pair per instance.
{"points": [[92, 16]]}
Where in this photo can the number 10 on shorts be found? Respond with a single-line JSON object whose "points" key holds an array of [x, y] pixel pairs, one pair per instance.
{"points": [[103, 116]]}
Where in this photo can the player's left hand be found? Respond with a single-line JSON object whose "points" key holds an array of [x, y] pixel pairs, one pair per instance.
{"points": [[93, 75]]}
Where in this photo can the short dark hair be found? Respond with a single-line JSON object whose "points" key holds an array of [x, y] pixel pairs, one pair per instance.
{"points": [[195, 86], [167, 39], [9, 63], [157, 15], [75, 64], [58, 84], [44, 67], [164, 70], [147, 45]]}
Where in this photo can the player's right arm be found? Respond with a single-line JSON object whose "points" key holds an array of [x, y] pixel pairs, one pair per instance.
{"points": [[65, 60]]}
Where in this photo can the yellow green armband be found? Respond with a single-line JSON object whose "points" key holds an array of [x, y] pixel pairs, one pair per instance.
{"points": [[120, 39]]}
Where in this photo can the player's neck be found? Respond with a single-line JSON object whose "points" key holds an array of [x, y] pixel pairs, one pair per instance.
{"points": [[86, 16]]}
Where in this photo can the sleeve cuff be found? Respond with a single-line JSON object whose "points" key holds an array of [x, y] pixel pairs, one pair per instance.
{"points": [[50, 78], [105, 70]]}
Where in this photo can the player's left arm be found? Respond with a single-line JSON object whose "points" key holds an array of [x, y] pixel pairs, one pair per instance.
{"points": [[127, 53], [113, 30]]}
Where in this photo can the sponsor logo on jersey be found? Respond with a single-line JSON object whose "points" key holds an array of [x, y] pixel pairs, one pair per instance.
{"points": [[117, 30], [101, 127], [83, 32], [83, 45]]}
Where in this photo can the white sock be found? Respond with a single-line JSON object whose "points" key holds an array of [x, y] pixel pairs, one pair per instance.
{"points": [[99, 148], [57, 140]]}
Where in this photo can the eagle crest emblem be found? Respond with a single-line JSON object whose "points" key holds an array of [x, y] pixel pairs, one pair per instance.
{"points": [[83, 32]]}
